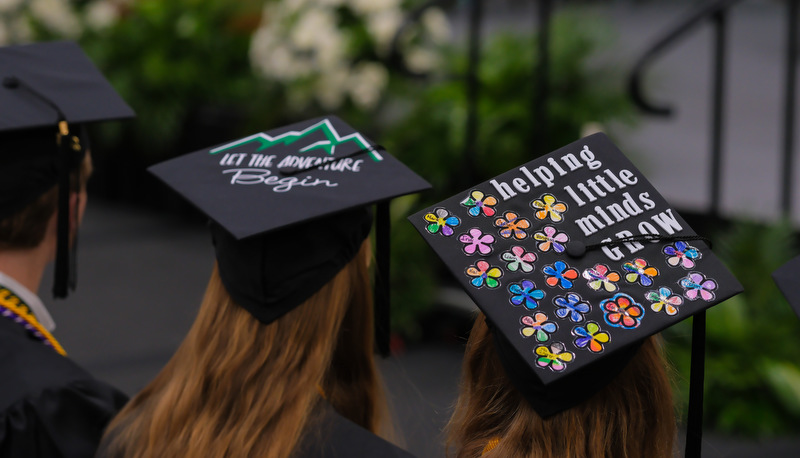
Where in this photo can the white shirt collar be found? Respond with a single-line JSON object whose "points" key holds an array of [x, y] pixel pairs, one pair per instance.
{"points": [[32, 300]]}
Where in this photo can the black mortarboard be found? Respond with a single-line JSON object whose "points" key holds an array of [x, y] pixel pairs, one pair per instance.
{"points": [[786, 277], [290, 207], [575, 259], [48, 92]]}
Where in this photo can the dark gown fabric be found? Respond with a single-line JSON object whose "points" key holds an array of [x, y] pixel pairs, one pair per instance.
{"points": [[331, 435], [49, 406], [328, 435]]}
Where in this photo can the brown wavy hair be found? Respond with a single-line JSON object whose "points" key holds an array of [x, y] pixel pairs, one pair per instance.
{"points": [[237, 387], [632, 417]]}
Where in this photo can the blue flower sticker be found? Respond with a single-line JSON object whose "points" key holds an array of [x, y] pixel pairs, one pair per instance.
{"points": [[526, 294], [572, 306]]}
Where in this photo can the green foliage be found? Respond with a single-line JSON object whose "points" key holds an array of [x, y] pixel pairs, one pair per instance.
{"points": [[752, 373], [168, 59]]}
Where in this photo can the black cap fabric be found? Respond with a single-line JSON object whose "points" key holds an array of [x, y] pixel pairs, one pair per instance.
{"points": [[48, 92], [289, 206], [540, 250], [61, 73], [786, 278]]}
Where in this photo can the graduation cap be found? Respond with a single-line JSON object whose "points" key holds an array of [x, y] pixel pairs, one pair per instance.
{"points": [[290, 207], [785, 278], [575, 259], [49, 91]]}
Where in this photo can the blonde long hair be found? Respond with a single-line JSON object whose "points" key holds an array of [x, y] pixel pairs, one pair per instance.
{"points": [[237, 387], [631, 417]]}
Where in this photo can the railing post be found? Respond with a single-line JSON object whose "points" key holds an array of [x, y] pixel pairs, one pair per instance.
{"points": [[788, 108], [542, 78], [717, 109], [473, 64]]}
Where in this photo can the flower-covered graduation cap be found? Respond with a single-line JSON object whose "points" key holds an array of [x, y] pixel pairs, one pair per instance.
{"points": [[575, 259], [48, 92], [290, 207]]}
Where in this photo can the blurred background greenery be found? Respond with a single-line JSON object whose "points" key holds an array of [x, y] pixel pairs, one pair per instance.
{"points": [[199, 72]]}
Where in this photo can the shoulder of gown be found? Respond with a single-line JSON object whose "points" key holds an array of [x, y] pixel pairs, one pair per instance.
{"points": [[49, 406], [331, 435]]}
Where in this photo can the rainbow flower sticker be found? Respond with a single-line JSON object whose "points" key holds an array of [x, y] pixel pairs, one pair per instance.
{"points": [[478, 203], [698, 286], [548, 206], [555, 357], [560, 274], [551, 238], [622, 311], [681, 254], [537, 326], [512, 224], [638, 270], [484, 274], [663, 299], [590, 337], [518, 259], [441, 220], [600, 276]]}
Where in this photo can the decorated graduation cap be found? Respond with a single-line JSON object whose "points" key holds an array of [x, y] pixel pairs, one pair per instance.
{"points": [[575, 259], [786, 278], [49, 91], [290, 207]]}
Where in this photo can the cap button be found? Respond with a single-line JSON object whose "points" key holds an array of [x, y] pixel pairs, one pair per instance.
{"points": [[576, 249]]}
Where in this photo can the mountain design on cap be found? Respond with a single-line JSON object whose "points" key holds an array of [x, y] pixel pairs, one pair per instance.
{"points": [[287, 138]]}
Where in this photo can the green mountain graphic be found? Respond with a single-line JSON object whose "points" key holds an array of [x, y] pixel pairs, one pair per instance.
{"points": [[333, 139]]}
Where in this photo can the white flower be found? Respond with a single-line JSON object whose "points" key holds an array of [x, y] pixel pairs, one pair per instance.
{"points": [[56, 15], [420, 60], [102, 14], [20, 30], [313, 27], [366, 84], [8, 5], [372, 6], [383, 26], [436, 25], [330, 88], [293, 6]]}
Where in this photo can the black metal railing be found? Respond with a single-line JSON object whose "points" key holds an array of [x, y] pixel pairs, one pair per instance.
{"points": [[716, 13]]}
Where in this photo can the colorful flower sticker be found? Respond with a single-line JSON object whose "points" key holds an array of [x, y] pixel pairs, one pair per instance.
{"points": [[571, 306], [550, 237], [639, 270], [560, 274], [526, 294], [476, 240], [518, 259], [664, 299], [600, 276], [512, 224], [682, 254], [537, 326], [590, 337], [554, 357], [479, 203], [548, 206], [441, 220], [697, 285], [483, 273], [622, 311]]}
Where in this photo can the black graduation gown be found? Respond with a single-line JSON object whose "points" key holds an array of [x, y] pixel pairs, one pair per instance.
{"points": [[331, 435], [49, 406]]}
